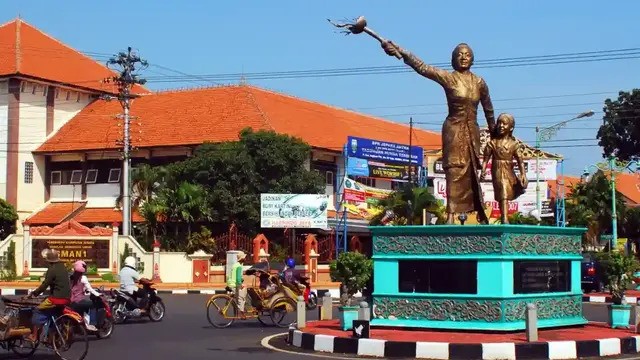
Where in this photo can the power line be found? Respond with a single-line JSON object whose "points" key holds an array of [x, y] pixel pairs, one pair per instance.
{"points": [[604, 55]]}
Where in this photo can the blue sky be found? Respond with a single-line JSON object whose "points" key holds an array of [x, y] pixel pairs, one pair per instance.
{"points": [[214, 37]]}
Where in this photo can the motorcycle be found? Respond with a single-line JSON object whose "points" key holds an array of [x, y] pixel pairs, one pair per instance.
{"points": [[101, 316], [124, 306], [310, 298]]}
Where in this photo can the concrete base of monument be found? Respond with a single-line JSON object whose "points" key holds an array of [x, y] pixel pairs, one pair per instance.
{"points": [[590, 340]]}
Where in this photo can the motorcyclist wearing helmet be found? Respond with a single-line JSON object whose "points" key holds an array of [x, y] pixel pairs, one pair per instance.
{"points": [[289, 274], [80, 287], [128, 278]]}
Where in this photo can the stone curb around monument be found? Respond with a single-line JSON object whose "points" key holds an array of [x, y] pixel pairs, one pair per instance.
{"points": [[442, 350], [607, 299]]}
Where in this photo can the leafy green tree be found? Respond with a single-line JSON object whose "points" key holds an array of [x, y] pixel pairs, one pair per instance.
{"points": [[519, 218], [8, 219], [618, 270], [235, 173], [408, 202], [631, 224], [619, 134], [589, 205], [353, 270]]}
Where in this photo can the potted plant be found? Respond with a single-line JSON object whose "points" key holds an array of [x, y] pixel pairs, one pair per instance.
{"points": [[353, 270], [618, 269]]}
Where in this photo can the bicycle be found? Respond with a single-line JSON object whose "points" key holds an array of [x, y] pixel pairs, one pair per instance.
{"points": [[57, 333]]}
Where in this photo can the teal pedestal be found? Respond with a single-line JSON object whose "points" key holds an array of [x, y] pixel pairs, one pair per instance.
{"points": [[347, 314], [619, 316], [499, 273]]}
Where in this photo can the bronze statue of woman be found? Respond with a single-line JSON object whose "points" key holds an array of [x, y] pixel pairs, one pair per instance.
{"points": [[460, 131]]}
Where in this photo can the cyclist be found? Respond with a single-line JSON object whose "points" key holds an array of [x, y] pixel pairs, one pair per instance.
{"points": [[57, 279]]}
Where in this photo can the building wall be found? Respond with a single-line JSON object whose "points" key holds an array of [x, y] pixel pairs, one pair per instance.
{"points": [[102, 195], [32, 133], [4, 118], [68, 103]]}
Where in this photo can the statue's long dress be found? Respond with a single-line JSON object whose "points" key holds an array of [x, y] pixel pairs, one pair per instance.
{"points": [[460, 133]]}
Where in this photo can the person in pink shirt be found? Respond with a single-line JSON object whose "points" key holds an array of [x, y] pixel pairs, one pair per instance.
{"points": [[80, 287]]}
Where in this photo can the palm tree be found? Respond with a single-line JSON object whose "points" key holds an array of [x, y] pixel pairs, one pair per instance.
{"points": [[145, 182], [408, 203], [175, 204]]}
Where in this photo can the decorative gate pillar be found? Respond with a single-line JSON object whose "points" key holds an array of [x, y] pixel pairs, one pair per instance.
{"points": [[310, 243], [355, 244], [156, 261], [313, 266], [26, 250], [114, 248], [260, 248]]}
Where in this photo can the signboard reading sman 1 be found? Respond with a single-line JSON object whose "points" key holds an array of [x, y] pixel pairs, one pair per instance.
{"points": [[294, 211]]}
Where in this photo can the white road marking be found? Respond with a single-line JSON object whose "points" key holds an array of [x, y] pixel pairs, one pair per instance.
{"points": [[265, 343]]}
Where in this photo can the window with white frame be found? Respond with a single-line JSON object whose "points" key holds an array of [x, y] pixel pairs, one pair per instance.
{"points": [[114, 175], [28, 172], [56, 178], [76, 177], [92, 176], [329, 177]]}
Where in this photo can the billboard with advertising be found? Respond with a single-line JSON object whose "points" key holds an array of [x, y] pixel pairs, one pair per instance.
{"points": [[362, 200], [381, 159], [523, 204], [293, 211], [548, 168]]}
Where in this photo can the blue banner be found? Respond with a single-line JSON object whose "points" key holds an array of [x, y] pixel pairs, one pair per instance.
{"points": [[382, 151]]}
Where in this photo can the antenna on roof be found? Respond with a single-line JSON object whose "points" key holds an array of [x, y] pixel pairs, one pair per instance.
{"points": [[243, 79]]}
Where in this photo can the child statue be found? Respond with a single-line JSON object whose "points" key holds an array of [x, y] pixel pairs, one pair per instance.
{"points": [[502, 149]]}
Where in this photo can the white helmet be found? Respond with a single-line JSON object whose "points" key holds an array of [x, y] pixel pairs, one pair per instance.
{"points": [[130, 261]]}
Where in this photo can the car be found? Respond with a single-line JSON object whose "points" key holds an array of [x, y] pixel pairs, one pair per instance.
{"points": [[592, 276]]}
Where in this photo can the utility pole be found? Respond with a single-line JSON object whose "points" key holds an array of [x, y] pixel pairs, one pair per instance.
{"points": [[125, 63], [410, 202]]}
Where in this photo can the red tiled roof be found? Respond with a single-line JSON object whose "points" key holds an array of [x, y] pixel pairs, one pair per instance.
{"points": [[57, 212], [30, 52], [54, 213], [569, 182], [104, 215], [627, 184], [192, 117]]}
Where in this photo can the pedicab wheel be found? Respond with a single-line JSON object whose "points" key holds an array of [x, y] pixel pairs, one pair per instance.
{"points": [[263, 316], [68, 332], [221, 311], [280, 309], [23, 348]]}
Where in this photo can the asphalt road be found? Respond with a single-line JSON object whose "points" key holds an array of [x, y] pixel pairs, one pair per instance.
{"points": [[185, 333]]}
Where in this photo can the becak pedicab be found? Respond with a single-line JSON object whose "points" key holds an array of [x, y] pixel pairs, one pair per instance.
{"points": [[267, 297]]}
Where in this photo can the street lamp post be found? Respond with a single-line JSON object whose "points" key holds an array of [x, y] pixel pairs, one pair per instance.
{"points": [[546, 134], [613, 166]]}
